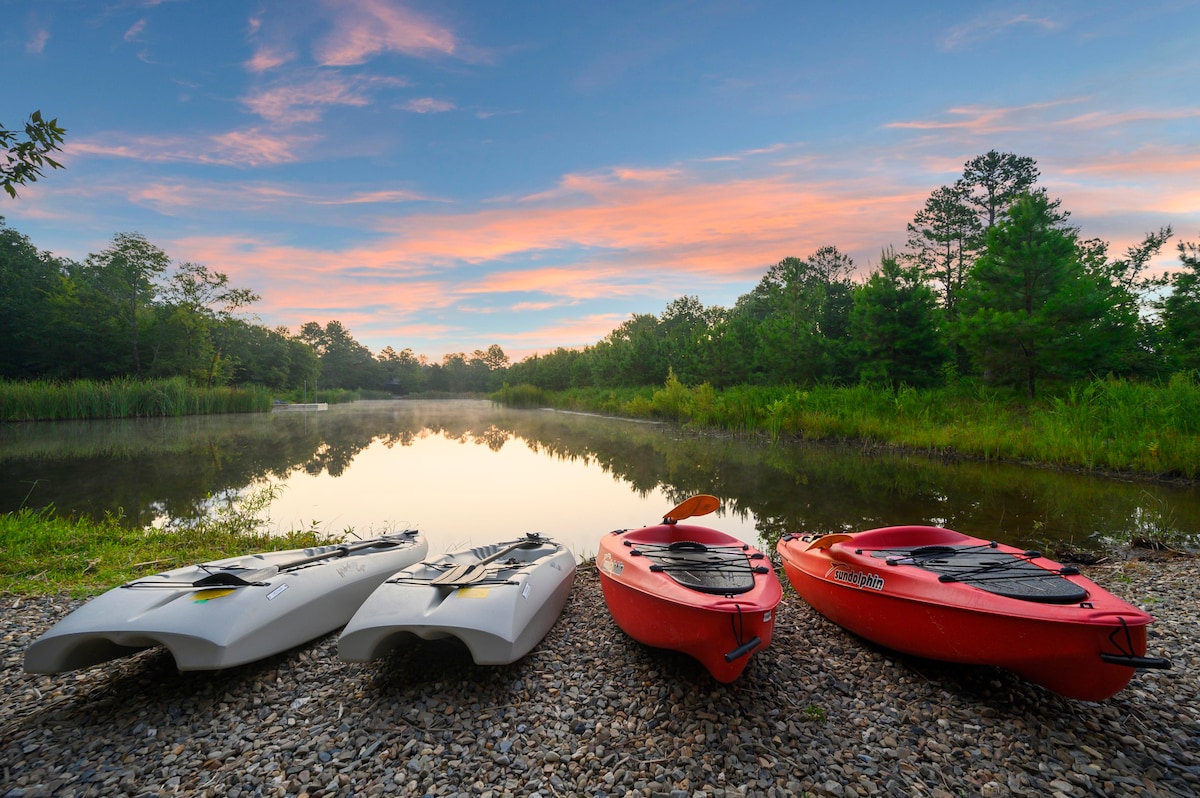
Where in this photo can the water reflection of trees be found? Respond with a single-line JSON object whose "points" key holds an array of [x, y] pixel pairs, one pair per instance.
{"points": [[827, 488], [147, 468]]}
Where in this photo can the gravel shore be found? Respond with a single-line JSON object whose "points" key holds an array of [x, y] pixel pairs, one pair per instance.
{"points": [[590, 712]]}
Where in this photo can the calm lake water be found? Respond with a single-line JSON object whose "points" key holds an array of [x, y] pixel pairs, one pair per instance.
{"points": [[469, 472]]}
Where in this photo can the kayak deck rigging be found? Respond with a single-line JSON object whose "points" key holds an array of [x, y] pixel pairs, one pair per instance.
{"points": [[1012, 575], [719, 570]]}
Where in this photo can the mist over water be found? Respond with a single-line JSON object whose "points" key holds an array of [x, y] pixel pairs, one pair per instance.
{"points": [[469, 472]]}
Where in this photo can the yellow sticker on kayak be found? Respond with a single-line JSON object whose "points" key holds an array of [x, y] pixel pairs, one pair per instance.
{"points": [[472, 592], [202, 596]]}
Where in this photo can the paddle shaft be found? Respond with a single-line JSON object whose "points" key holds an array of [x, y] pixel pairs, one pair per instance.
{"points": [[231, 579], [341, 551], [473, 572]]}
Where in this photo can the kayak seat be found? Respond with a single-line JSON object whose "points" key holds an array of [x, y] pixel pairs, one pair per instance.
{"points": [[997, 572], [706, 570]]}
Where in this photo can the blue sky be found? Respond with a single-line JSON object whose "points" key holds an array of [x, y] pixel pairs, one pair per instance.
{"points": [[444, 176]]}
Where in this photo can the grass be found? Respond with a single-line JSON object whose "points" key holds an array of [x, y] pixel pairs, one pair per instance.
{"points": [[43, 554], [42, 400], [1107, 424]]}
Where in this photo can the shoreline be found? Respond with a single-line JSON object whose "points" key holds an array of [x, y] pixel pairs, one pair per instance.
{"points": [[591, 712]]}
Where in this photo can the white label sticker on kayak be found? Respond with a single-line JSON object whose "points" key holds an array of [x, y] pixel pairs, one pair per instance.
{"points": [[525, 591], [767, 616], [611, 565], [277, 591]]}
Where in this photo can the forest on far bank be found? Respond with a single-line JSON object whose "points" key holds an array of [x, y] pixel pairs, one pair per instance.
{"points": [[993, 285]]}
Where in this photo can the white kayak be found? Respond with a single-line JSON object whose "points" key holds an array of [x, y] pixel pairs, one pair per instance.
{"points": [[228, 612], [500, 600]]}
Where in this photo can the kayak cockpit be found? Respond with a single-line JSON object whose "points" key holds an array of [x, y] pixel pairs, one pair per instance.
{"points": [[717, 570]]}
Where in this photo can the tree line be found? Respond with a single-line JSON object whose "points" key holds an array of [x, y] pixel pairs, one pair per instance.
{"points": [[993, 283], [130, 311]]}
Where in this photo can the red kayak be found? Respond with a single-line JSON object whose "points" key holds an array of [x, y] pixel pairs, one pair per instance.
{"points": [[691, 589], [937, 593]]}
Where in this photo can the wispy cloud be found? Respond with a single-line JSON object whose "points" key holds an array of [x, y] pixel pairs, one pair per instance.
{"points": [[428, 105], [266, 58], [245, 148], [572, 282], [1109, 119], [594, 184], [1180, 163], [984, 119], [990, 26], [363, 29], [36, 43], [177, 196], [481, 114], [751, 153], [305, 98], [134, 33]]}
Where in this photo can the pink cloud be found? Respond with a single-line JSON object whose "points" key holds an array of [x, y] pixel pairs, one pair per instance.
{"points": [[720, 228], [253, 147], [627, 232], [365, 28], [36, 43], [298, 285], [1173, 163], [526, 307], [265, 59], [575, 332], [371, 197], [648, 238], [305, 100], [582, 281], [428, 105]]}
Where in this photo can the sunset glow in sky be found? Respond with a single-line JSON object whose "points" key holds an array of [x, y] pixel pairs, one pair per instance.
{"points": [[444, 175]]}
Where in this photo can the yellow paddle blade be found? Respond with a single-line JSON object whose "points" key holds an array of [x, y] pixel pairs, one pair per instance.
{"points": [[701, 504], [825, 541]]}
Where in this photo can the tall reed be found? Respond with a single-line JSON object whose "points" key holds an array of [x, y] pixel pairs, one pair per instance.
{"points": [[1111, 424], [44, 400]]}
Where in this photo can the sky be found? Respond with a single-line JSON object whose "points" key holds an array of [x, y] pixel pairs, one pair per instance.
{"points": [[445, 175]]}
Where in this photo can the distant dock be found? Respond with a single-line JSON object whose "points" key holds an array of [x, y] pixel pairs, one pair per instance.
{"points": [[280, 407]]}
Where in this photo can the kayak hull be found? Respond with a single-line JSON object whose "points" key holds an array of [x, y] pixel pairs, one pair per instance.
{"points": [[869, 583], [215, 626], [500, 614], [721, 630]]}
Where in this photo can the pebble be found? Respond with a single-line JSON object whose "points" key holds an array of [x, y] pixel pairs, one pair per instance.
{"points": [[592, 713]]}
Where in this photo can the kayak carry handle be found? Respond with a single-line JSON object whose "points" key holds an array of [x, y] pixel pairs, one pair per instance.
{"points": [[687, 545], [743, 649], [228, 579], [1156, 663]]}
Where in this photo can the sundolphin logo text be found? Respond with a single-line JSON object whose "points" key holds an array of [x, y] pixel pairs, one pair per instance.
{"points": [[856, 578]]}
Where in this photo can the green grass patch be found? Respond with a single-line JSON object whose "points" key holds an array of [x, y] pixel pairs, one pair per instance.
{"points": [[1109, 424], [42, 554]]}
